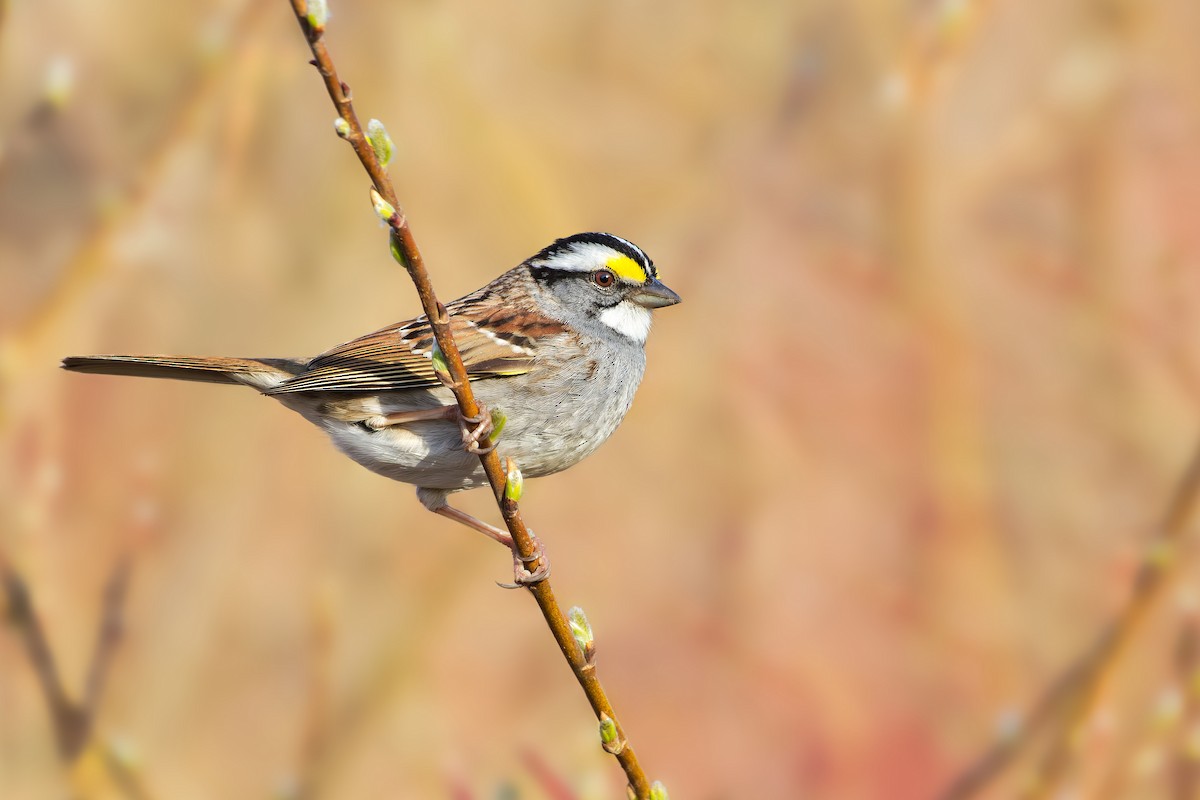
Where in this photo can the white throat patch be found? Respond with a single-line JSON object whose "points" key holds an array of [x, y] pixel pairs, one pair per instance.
{"points": [[628, 319]]}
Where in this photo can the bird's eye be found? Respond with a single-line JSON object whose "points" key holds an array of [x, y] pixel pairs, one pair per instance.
{"points": [[603, 278]]}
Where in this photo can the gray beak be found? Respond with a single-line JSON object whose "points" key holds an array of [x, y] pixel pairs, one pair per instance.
{"points": [[654, 295]]}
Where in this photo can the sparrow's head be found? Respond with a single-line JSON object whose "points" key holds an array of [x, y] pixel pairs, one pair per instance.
{"points": [[603, 277]]}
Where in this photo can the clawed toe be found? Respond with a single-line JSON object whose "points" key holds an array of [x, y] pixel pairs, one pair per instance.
{"points": [[474, 447], [522, 575], [476, 429]]}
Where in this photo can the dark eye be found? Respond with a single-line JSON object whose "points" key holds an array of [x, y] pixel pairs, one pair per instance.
{"points": [[603, 278]]}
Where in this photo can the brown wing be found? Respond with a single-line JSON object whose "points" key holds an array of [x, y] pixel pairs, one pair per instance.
{"points": [[399, 356]]}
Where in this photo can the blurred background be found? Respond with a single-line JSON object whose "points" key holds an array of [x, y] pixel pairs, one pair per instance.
{"points": [[897, 455]]}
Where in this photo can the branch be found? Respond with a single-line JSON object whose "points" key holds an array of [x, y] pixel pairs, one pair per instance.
{"points": [[72, 720], [312, 22], [1152, 579], [1072, 697]]}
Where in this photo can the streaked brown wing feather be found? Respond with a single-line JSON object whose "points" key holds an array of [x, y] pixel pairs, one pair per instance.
{"points": [[376, 362], [399, 356]]}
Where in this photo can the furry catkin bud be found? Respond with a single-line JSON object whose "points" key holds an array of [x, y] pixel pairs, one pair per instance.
{"points": [[608, 731], [581, 631], [498, 423], [317, 14], [381, 143], [383, 208], [440, 367], [514, 484]]}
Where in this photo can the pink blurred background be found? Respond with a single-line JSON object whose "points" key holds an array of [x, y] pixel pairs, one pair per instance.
{"points": [[892, 466]]}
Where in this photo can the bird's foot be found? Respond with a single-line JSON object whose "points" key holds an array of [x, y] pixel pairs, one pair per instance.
{"points": [[522, 575], [477, 429]]}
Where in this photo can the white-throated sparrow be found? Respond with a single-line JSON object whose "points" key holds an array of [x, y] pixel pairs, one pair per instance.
{"points": [[556, 345]]}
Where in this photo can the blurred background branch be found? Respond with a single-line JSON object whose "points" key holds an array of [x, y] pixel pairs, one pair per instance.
{"points": [[984, 292], [74, 721], [1162, 560], [1068, 704]]}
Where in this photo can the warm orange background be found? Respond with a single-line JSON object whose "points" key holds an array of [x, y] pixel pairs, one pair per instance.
{"points": [[894, 460]]}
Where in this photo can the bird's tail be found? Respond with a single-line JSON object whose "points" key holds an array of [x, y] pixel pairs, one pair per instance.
{"points": [[261, 373]]}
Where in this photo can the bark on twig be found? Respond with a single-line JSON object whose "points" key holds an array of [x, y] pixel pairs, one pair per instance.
{"points": [[404, 246]]}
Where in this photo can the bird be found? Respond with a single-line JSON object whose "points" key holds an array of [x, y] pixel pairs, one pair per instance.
{"points": [[555, 347]]}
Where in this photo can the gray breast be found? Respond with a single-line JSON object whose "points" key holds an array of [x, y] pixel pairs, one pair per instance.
{"points": [[562, 411]]}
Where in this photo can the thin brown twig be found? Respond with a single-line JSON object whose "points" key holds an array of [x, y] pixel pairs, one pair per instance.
{"points": [[1134, 753], [109, 633], [526, 547], [1152, 579], [997, 758], [1070, 700], [73, 720], [37, 646]]}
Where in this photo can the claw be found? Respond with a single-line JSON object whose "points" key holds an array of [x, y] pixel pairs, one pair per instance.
{"points": [[476, 428], [473, 447], [522, 576]]}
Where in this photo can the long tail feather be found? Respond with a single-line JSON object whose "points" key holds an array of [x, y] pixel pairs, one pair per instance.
{"points": [[261, 373]]}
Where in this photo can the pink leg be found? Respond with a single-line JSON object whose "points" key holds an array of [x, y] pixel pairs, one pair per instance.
{"points": [[473, 428], [463, 518], [483, 427], [403, 417], [522, 576]]}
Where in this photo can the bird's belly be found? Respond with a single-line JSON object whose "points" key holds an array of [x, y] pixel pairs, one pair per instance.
{"points": [[428, 454]]}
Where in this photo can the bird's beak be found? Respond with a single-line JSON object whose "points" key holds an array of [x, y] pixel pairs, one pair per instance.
{"points": [[654, 294]]}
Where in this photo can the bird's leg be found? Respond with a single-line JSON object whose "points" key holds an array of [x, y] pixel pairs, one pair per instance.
{"points": [[435, 501], [463, 518], [381, 421], [473, 429]]}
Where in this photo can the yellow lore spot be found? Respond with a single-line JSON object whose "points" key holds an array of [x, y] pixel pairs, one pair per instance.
{"points": [[626, 268]]}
